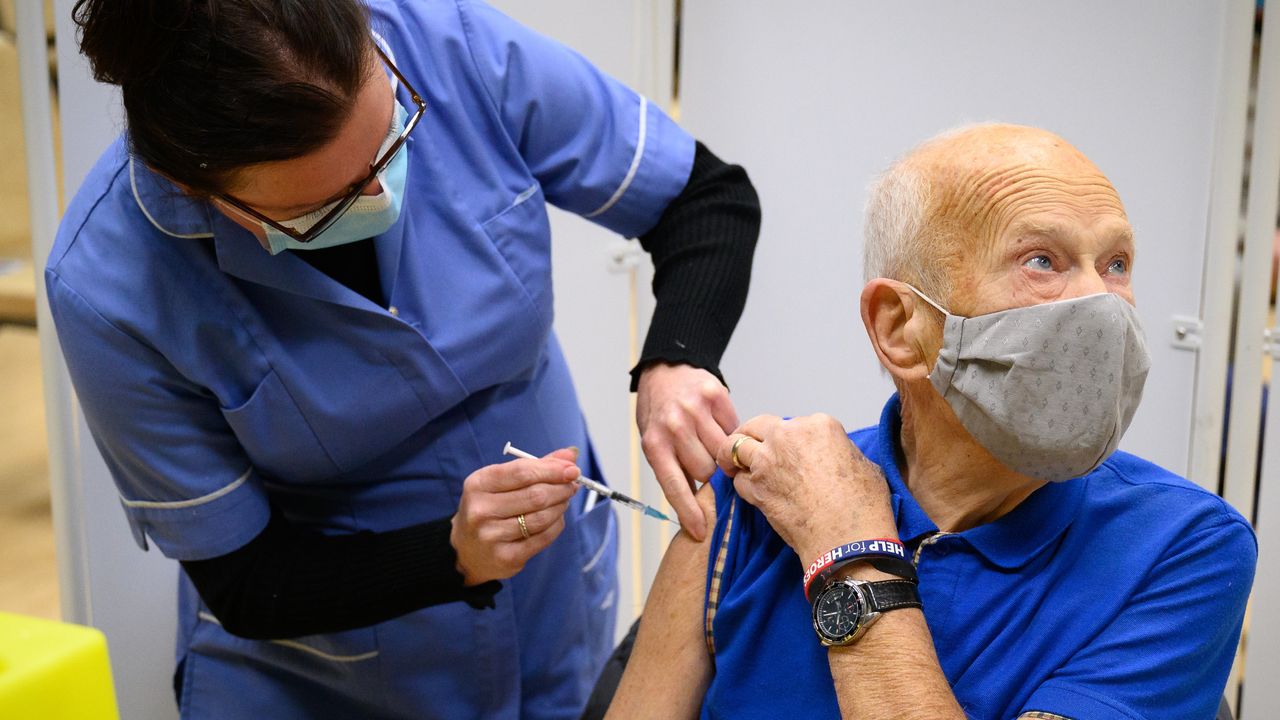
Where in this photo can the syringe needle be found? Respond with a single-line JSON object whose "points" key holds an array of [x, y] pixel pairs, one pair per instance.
{"points": [[599, 488]]}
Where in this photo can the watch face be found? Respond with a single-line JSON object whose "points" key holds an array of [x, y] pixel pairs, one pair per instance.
{"points": [[837, 611]]}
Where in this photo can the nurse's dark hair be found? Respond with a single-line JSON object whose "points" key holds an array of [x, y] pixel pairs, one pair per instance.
{"points": [[213, 86]]}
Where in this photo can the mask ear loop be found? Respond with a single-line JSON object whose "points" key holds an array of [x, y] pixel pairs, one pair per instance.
{"points": [[935, 305], [927, 299]]}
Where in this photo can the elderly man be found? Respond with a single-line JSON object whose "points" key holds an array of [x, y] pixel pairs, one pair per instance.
{"points": [[983, 552]]}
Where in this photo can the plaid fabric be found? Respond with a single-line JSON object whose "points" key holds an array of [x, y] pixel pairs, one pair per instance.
{"points": [[713, 592]]}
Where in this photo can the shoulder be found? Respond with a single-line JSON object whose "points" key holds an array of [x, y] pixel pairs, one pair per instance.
{"points": [[1142, 499], [112, 262], [1126, 477], [442, 16], [92, 201], [446, 45], [866, 438], [432, 26], [449, 40]]}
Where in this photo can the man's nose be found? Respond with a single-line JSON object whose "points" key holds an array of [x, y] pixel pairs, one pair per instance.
{"points": [[1086, 282]]}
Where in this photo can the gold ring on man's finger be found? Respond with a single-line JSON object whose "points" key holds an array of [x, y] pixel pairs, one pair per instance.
{"points": [[524, 529], [733, 453]]}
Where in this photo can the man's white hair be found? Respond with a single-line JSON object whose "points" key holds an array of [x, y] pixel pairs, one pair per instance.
{"points": [[897, 240]]}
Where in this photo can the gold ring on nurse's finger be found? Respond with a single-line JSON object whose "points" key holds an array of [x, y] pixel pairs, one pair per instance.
{"points": [[524, 529], [733, 453]]}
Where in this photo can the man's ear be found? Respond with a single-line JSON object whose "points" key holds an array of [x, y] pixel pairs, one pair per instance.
{"points": [[899, 327]]}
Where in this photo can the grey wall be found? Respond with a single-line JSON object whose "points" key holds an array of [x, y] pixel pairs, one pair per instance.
{"points": [[815, 99]]}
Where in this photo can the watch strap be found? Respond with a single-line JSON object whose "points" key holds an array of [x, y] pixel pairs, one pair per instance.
{"points": [[895, 566], [885, 595]]}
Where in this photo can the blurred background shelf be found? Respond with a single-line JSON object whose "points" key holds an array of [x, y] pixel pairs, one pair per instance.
{"points": [[17, 293]]}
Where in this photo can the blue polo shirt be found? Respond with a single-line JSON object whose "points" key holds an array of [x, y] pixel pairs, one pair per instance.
{"points": [[1116, 595]]}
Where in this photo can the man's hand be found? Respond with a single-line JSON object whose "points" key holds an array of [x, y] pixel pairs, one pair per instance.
{"points": [[811, 482], [684, 414], [487, 534]]}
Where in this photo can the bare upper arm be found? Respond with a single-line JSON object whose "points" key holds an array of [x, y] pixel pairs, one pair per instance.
{"points": [[670, 666]]}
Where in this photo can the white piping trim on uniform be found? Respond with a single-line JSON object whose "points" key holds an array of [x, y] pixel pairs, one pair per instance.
{"points": [[322, 654], [525, 195], [133, 182], [635, 161], [180, 504], [600, 550], [300, 646]]}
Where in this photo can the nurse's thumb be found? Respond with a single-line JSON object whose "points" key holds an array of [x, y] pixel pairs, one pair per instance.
{"points": [[570, 454]]}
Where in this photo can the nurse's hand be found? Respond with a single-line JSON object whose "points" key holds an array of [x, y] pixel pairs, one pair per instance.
{"points": [[486, 530], [684, 414]]}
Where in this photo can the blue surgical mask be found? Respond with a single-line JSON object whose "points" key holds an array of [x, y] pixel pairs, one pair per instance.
{"points": [[368, 217]]}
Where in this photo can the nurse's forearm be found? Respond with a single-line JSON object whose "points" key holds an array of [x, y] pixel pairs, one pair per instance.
{"points": [[702, 249], [289, 582]]}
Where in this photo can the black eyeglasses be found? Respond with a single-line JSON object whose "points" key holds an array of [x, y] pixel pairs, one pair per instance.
{"points": [[357, 190]]}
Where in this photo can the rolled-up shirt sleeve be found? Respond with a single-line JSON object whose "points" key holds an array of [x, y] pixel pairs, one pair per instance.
{"points": [[184, 480], [597, 148]]}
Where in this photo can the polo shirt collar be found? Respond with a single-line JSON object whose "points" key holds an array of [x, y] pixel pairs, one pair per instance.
{"points": [[1009, 542]]}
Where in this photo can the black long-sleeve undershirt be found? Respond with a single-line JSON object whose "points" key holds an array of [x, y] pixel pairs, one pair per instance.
{"points": [[290, 581], [702, 249]]}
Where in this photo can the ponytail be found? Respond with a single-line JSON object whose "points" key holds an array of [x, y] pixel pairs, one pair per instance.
{"points": [[126, 41]]}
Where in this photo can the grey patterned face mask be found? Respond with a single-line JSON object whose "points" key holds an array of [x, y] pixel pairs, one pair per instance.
{"points": [[1047, 389]]}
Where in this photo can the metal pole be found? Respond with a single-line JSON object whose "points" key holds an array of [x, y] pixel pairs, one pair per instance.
{"points": [[60, 405], [1222, 233], [1261, 697], [1255, 273]]}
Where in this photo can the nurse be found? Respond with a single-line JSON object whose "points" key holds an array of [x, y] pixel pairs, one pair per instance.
{"points": [[306, 298]]}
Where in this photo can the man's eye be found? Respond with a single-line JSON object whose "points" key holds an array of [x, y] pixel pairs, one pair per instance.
{"points": [[1039, 262], [1119, 266]]}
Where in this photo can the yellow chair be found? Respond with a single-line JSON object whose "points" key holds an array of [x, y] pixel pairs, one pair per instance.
{"points": [[53, 671]]}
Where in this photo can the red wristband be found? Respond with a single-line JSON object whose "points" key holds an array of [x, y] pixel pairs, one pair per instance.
{"points": [[830, 561]]}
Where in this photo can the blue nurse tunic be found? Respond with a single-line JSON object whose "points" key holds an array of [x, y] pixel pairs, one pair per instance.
{"points": [[216, 378]]}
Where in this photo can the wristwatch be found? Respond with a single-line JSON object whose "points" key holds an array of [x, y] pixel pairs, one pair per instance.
{"points": [[844, 610]]}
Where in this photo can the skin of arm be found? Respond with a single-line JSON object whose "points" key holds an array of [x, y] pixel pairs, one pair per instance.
{"points": [[892, 672], [670, 668]]}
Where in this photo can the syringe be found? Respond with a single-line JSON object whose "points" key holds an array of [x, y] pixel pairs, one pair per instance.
{"points": [[599, 488]]}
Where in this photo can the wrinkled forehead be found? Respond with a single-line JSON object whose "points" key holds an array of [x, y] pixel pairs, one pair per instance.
{"points": [[989, 183]]}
